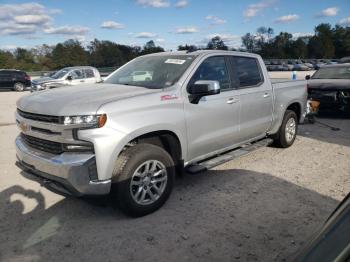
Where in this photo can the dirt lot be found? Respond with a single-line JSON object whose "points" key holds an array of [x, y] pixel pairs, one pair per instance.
{"points": [[261, 207]]}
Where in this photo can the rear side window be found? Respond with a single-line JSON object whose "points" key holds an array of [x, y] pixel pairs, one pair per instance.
{"points": [[89, 73], [248, 71]]}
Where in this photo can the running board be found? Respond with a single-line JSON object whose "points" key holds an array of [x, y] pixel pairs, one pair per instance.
{"points": [[227, 156]]}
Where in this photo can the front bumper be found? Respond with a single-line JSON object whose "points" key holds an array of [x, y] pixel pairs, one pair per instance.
{"points": [[67, 173]]}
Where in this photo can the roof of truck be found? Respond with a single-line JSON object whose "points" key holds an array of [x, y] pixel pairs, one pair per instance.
{"points": [[204, 52]]}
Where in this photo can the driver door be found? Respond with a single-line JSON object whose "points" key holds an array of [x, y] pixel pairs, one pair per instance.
{"points": [[213, 123]]}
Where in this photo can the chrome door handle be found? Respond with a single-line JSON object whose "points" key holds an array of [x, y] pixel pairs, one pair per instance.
{"points": [[266, 95], [232, 100]]}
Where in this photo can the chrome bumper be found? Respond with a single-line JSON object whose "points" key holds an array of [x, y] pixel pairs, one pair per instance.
{"points": [[68, 173]]}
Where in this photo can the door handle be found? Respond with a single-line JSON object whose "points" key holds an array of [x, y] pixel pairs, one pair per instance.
{"points": [[266, 95], [82, 81], [232, 100]]}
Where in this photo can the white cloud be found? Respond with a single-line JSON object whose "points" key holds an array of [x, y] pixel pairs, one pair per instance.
{"points": [[345, 21], [145, 35], [111, 25], [298, 34], [214, 20], [32, 19], [160, 40], [153, 3], [181, 4], [253, 9], [331, 11], [17, 29], [287, 19], [67, 30], [186, 30], [26, 20]]}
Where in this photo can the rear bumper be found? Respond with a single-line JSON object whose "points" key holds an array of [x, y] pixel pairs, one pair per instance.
{"points": [[67, 173]]}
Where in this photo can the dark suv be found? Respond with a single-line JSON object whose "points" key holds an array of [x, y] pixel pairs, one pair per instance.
{"points": [[14, 79]]}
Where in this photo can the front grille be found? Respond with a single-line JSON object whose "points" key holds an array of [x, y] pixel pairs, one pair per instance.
{"points": [[43, 145], [39, 117]]}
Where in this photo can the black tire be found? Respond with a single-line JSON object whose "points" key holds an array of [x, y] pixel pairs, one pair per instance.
{"points": [[18, 86], [280, 139], [126, 165]]}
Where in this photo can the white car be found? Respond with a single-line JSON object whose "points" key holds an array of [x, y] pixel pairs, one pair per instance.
{"points": [[138, 76], [68, 76]]}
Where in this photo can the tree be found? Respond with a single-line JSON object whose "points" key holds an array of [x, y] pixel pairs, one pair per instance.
{"points": [[187, 47], [217, 43], [7, 59], [323, 42], [248, 41], [69, 53], [150, 48]]}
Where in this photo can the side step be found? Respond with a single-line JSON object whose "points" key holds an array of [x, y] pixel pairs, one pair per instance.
{"points": [[227, 156]]}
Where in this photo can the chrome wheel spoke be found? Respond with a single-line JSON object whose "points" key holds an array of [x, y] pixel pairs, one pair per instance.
{"points": [[151, 195], [158, 179]]}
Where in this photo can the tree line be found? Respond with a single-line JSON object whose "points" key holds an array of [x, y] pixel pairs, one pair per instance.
{"points": [[326, 42]]}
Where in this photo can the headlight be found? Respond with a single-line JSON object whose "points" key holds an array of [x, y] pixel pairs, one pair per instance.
{"points": [[88, 120]]}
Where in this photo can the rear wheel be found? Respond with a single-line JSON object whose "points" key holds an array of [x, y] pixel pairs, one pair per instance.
{"points": [[19, 87], [288, 130], [145, 175]]}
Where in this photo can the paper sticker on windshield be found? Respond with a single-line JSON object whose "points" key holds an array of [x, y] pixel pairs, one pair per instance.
{"points": [[175, 61]]}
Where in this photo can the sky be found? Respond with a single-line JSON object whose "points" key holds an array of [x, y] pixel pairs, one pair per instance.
{"points": [[168, 22]]}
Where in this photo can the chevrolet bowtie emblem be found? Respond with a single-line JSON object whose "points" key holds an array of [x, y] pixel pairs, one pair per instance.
{"points": [[24, 127]]}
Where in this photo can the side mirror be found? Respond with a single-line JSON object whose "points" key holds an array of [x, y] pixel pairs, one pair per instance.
{"points": [[307, 77], [203, 88], [69, 78]]}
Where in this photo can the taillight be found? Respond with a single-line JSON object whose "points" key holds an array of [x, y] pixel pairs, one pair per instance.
{"points": [[27, 77]]}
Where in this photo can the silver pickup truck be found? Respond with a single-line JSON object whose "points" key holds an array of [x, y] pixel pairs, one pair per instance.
{"points": [[135, 134]]}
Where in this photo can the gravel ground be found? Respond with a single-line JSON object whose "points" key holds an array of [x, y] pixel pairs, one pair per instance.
{"points": [[261, 207]]}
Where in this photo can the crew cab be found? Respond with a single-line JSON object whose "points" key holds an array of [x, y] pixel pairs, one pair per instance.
{"points": [[68, 76], [135, 134]]}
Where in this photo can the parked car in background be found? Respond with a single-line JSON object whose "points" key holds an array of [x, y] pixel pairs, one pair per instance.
{"points": [[16, 80], [301, 67], [197, 108], [330, 85], [141, 76], [69, 76]]}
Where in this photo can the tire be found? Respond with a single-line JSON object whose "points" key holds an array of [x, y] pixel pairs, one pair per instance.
{"points": [[18, 86], [131, 186], [287, 132]]}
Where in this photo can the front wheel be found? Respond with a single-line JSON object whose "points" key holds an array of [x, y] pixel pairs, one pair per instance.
{"points": [[145, 175], [288, 130]]}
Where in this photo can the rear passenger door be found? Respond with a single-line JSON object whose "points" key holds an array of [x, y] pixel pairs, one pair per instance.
{"points": [[89, 76], [255, 94]]}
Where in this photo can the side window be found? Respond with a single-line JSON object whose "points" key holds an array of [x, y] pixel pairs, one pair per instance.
{"points": [[248, 71], [213, 68], [77, 74], [89, 73]]}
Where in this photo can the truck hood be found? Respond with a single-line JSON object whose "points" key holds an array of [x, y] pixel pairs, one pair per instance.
{"points": [[78, 100], [329, 84]]}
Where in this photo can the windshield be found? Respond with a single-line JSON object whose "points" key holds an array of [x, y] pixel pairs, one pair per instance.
{"points": [[60, 74], [156, 72], [339, 72]]}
